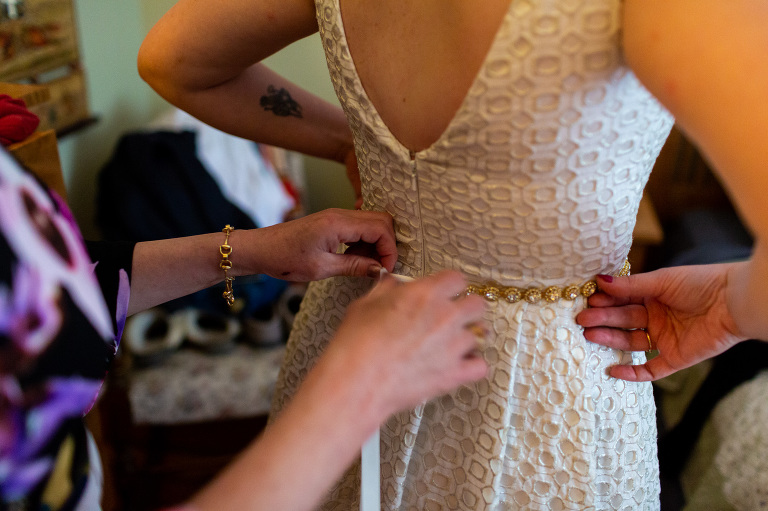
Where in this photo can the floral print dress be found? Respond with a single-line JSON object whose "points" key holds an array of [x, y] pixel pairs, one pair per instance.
{"points": [[61, 317]]}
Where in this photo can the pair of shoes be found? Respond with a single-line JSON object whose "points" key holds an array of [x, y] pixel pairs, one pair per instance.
{"points": [[152, 335], [263, 327], [210, 331], [268, 325]]}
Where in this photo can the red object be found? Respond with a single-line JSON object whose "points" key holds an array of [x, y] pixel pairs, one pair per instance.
{"points": [[290, 187], [16, 122]]}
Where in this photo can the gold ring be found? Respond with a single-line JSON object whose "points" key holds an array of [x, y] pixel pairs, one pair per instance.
{"points": [[650, 344]]}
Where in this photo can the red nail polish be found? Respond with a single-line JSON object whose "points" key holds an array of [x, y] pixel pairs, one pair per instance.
{"points": [[606, 278]]}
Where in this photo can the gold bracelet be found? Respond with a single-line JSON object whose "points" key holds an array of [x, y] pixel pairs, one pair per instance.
{"points": [[226, 264]]}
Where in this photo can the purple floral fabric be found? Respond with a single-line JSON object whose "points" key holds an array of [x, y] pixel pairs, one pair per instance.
{"points": [[58, 333]]}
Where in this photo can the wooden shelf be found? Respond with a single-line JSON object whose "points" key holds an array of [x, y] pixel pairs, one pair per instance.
{"points": [[32, 95]]}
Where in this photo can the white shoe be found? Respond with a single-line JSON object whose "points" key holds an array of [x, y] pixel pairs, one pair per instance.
{"points": [[264, 327], [208, 331], [151, 336]]}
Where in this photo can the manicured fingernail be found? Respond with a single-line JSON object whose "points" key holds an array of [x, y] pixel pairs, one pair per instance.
{"points": [[374, 271], [606, 278]]}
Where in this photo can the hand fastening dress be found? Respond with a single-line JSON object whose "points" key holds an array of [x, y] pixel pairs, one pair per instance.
{"points": [[535, 182]]}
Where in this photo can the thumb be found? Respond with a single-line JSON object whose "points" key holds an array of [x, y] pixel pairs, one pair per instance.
{"points": [[358, 266], [652, 370]]}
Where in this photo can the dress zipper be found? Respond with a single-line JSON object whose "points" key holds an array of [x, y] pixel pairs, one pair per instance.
{"points": [[415, 182]]}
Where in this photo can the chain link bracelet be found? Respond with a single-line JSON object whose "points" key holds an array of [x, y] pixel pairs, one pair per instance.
{"points": [[226, 264]]}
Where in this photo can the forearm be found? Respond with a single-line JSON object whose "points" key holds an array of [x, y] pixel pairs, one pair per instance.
{"points": [[300, 250], [164, 270], [315, 127], [167, 269], [205, 61], [397, 346], [306, 449], [747, 294]]}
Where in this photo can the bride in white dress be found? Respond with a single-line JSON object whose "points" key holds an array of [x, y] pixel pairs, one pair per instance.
{"points": [[535, 182], [509, 141]]}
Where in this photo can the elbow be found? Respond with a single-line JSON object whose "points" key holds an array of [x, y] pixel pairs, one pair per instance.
{"points": [[160, 67], [150, 67], [167, 72], [144, 64]]}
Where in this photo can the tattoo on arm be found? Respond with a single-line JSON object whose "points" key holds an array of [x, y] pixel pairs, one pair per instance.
{"points": [[280, 102]]}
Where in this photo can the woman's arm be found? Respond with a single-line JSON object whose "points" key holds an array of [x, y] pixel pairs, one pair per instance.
{"points": [[204, 58], [397, 346], [707, 62], [299, 250]]}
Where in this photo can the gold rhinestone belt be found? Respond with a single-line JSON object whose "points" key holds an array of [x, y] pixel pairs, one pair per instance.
{"points": [[495, 292]]}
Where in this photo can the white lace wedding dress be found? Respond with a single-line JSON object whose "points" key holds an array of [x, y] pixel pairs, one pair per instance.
{"points": [[535, 183]]}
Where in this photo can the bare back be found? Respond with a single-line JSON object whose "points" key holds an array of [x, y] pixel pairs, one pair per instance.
{"points": [[417, 60]]}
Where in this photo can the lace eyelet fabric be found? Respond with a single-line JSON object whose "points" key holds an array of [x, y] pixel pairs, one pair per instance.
{"points": [[535, 184]]}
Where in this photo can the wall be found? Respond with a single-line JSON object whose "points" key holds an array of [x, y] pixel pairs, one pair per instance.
{"points": [[110, 37], [304, 63]]}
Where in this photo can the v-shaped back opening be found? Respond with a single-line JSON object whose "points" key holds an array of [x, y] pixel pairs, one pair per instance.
{"points": [[455, 110]]}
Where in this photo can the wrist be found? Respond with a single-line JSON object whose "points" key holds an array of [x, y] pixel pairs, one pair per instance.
{"points": [[747, 294], [247, 252], [351, 389], [344, 144]]}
